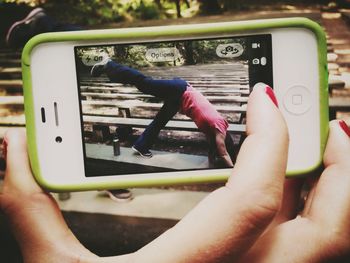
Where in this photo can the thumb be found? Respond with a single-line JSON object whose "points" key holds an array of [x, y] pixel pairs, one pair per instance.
{"points": [[332, 192], [34, 216], [18, 176], [230, 220]]}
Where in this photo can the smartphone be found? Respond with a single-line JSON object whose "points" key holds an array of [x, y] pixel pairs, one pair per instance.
{"points": [[93, 100]]}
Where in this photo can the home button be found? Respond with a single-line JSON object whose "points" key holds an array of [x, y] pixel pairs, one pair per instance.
{"points": [[297, 100]]}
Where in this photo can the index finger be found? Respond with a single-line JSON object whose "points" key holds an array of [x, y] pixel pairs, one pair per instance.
{"points": [[263, 155], [330, 204]]}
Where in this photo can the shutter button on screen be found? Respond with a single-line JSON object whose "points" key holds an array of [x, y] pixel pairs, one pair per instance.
{"points": [[297, 100]]}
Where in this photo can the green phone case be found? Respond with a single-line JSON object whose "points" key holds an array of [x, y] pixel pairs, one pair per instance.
{"points": [[185, 31]]}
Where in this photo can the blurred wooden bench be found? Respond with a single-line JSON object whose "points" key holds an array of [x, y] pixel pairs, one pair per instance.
{"points": [[346, 15], [131, 90], [11, 84], [10, 73], [338, 104], [91, 95], [182, 125], [335, 84]]}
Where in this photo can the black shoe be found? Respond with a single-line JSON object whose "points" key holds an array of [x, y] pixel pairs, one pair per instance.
{"points": [[120, 195], [99, 68], [21, 31], [142, 152]]}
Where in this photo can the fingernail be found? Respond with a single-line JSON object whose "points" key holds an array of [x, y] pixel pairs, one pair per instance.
{"points": [[271, 94], [345, 127], [4, 148]]}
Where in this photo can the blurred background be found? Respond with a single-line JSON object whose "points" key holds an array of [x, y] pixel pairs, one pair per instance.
{"points": [[111, 13], [103, 225]]}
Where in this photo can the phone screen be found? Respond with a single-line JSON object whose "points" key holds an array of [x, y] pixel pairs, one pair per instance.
{"points": [[165, 106]]}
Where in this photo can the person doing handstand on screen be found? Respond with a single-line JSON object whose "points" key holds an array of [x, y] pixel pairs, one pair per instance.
{"points": [[178, 96]]}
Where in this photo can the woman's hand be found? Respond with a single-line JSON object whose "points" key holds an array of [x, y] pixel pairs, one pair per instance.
{"points": [[33, 214], [252, 218], [321, 231]]}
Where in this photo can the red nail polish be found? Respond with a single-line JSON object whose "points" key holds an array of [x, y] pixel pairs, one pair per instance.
{"points": [[345, 127], [4, 148], [271, 94]]}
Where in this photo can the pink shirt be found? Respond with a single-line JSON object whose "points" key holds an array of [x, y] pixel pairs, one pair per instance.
{"points": [[202, 112]]}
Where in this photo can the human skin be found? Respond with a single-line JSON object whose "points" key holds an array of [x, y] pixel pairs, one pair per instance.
{"points": [[221, 148], [321, 231], [253, 218], [217, 141]]}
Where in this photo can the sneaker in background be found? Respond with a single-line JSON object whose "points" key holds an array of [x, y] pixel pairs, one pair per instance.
{"points": [[120, 195], [144, 153], [99, 67], [21, 31]]}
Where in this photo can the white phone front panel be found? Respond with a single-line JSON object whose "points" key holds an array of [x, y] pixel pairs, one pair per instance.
{"points": [[295, 63], [295, 66], [54, 80]]}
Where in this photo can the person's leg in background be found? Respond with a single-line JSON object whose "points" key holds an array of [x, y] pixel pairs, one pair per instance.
{"points": [[36, 22], [166, 89], [117, 73], [150, 134], [170, 90]]}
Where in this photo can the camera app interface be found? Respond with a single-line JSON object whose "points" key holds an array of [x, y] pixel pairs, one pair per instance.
{"points": [[167, 106]]}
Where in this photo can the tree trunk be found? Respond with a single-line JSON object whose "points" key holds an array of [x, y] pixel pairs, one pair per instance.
{"points": [[189, 54], [159, 4], [210, 6], [178, 8]]}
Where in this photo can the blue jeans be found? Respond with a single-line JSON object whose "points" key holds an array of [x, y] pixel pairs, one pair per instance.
{"points": [[170, 91]]}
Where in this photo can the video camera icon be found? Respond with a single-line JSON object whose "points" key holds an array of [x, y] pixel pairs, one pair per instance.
{"points": [[256, 45]]}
